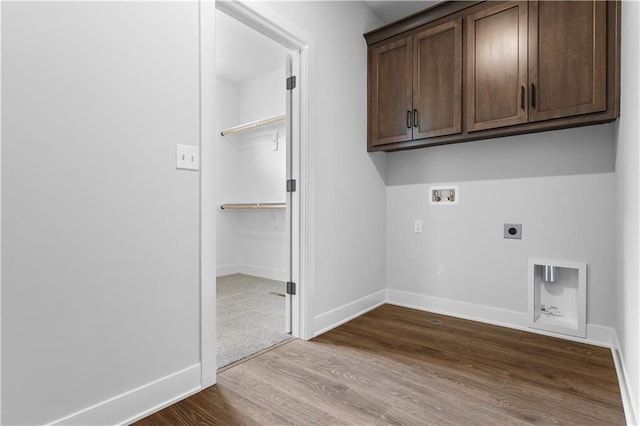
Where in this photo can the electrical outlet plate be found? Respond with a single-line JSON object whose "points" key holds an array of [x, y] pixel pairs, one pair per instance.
{"points": [[187, 157], [513, 231]]}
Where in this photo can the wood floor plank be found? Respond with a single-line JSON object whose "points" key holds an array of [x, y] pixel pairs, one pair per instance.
{"points": [[358, 404], [418, 353], [398, 366], [435, 392], [226, 406], [278, 400]]}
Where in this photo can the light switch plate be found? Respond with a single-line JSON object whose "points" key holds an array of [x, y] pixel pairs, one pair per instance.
{"points": [[187, 157]]}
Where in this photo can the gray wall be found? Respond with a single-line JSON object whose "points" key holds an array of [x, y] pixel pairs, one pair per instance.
{"points": [[461, 254], [627, 212], [100, 232], [558, 184], [575, 151]]}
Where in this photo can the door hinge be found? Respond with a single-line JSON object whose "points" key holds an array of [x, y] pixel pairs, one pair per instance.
{"points": [[291, 185], [291, 288], [291, 82]]}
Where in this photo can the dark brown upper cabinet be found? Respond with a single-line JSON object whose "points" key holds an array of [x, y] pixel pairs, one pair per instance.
{"points": [[461, 71], [567, 58], [390, 92], [437, 80], [415, 85], [497, 71]]}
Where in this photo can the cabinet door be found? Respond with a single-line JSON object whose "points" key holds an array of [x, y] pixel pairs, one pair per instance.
{"points": [[390, 93], [497, 66], [567, 58], [437, 80]]}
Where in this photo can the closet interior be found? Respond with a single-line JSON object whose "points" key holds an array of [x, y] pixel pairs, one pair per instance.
{"points": [[251, 239]]}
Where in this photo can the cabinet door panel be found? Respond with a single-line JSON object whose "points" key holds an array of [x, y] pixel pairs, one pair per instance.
{"points": [[437, 80], [497, 66], [567, 58], [390, 91]]}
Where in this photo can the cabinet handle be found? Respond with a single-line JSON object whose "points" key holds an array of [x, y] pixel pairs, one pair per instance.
{"points": [[522, 97], [533, 95], [415, 118], [408, 119]]}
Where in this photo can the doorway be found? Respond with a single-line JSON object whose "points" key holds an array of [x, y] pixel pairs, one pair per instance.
{"points": [[256, 207]]}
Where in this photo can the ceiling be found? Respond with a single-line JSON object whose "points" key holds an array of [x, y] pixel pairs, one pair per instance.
{"points": [[389, 10], [243, 54]]}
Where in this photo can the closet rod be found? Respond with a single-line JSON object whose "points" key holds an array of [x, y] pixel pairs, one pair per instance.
{"points": [[253, 125], [253, 206]]}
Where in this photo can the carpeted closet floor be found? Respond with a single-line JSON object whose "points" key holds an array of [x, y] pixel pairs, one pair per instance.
{"points": [[250, 316]]}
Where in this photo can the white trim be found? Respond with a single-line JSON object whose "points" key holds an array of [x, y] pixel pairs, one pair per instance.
{"points": [[602, 335], [596, 334], [125, 408], [0, 213], [249, 15], [253, 270], [224, 270], [262, 272], [455, 308], [305, 200], [208, 209], [345, 313], [623, 381]]}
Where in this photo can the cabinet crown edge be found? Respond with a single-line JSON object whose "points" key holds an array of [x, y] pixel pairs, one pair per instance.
{"points": [[430, 14]]}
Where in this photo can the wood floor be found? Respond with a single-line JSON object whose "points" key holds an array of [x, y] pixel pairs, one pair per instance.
{"points": [[401, 366]]}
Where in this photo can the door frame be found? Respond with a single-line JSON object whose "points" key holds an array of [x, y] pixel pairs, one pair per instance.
{"points": [[264, 20]]}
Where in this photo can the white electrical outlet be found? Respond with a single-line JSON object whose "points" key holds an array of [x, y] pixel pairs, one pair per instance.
{"points": [[417, 226], [187, 157]]}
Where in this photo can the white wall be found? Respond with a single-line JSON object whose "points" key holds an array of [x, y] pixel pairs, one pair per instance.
{"points": [[264, 96], [347, 213], [581, 150], [627, 215], [250, 170], [462, 257], [558, 184], [228, 245], [261, 169], [100, 231]]}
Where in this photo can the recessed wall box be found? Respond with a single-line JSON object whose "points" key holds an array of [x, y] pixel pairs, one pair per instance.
{"points": [[441, 195], [558, 296]]}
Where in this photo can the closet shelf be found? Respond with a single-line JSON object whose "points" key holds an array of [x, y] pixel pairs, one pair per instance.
{"points": [[254, 125], [253, 206]]}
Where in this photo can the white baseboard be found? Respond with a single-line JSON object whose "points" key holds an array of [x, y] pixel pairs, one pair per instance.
{"points": [[456, 309], [332, 319], [256, 271], [596, 334], [262, 272], [623, 380], [224, 270], [140, 402]]}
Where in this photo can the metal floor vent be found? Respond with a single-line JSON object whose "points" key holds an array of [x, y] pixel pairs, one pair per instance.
{"points": [[434, 321]]}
